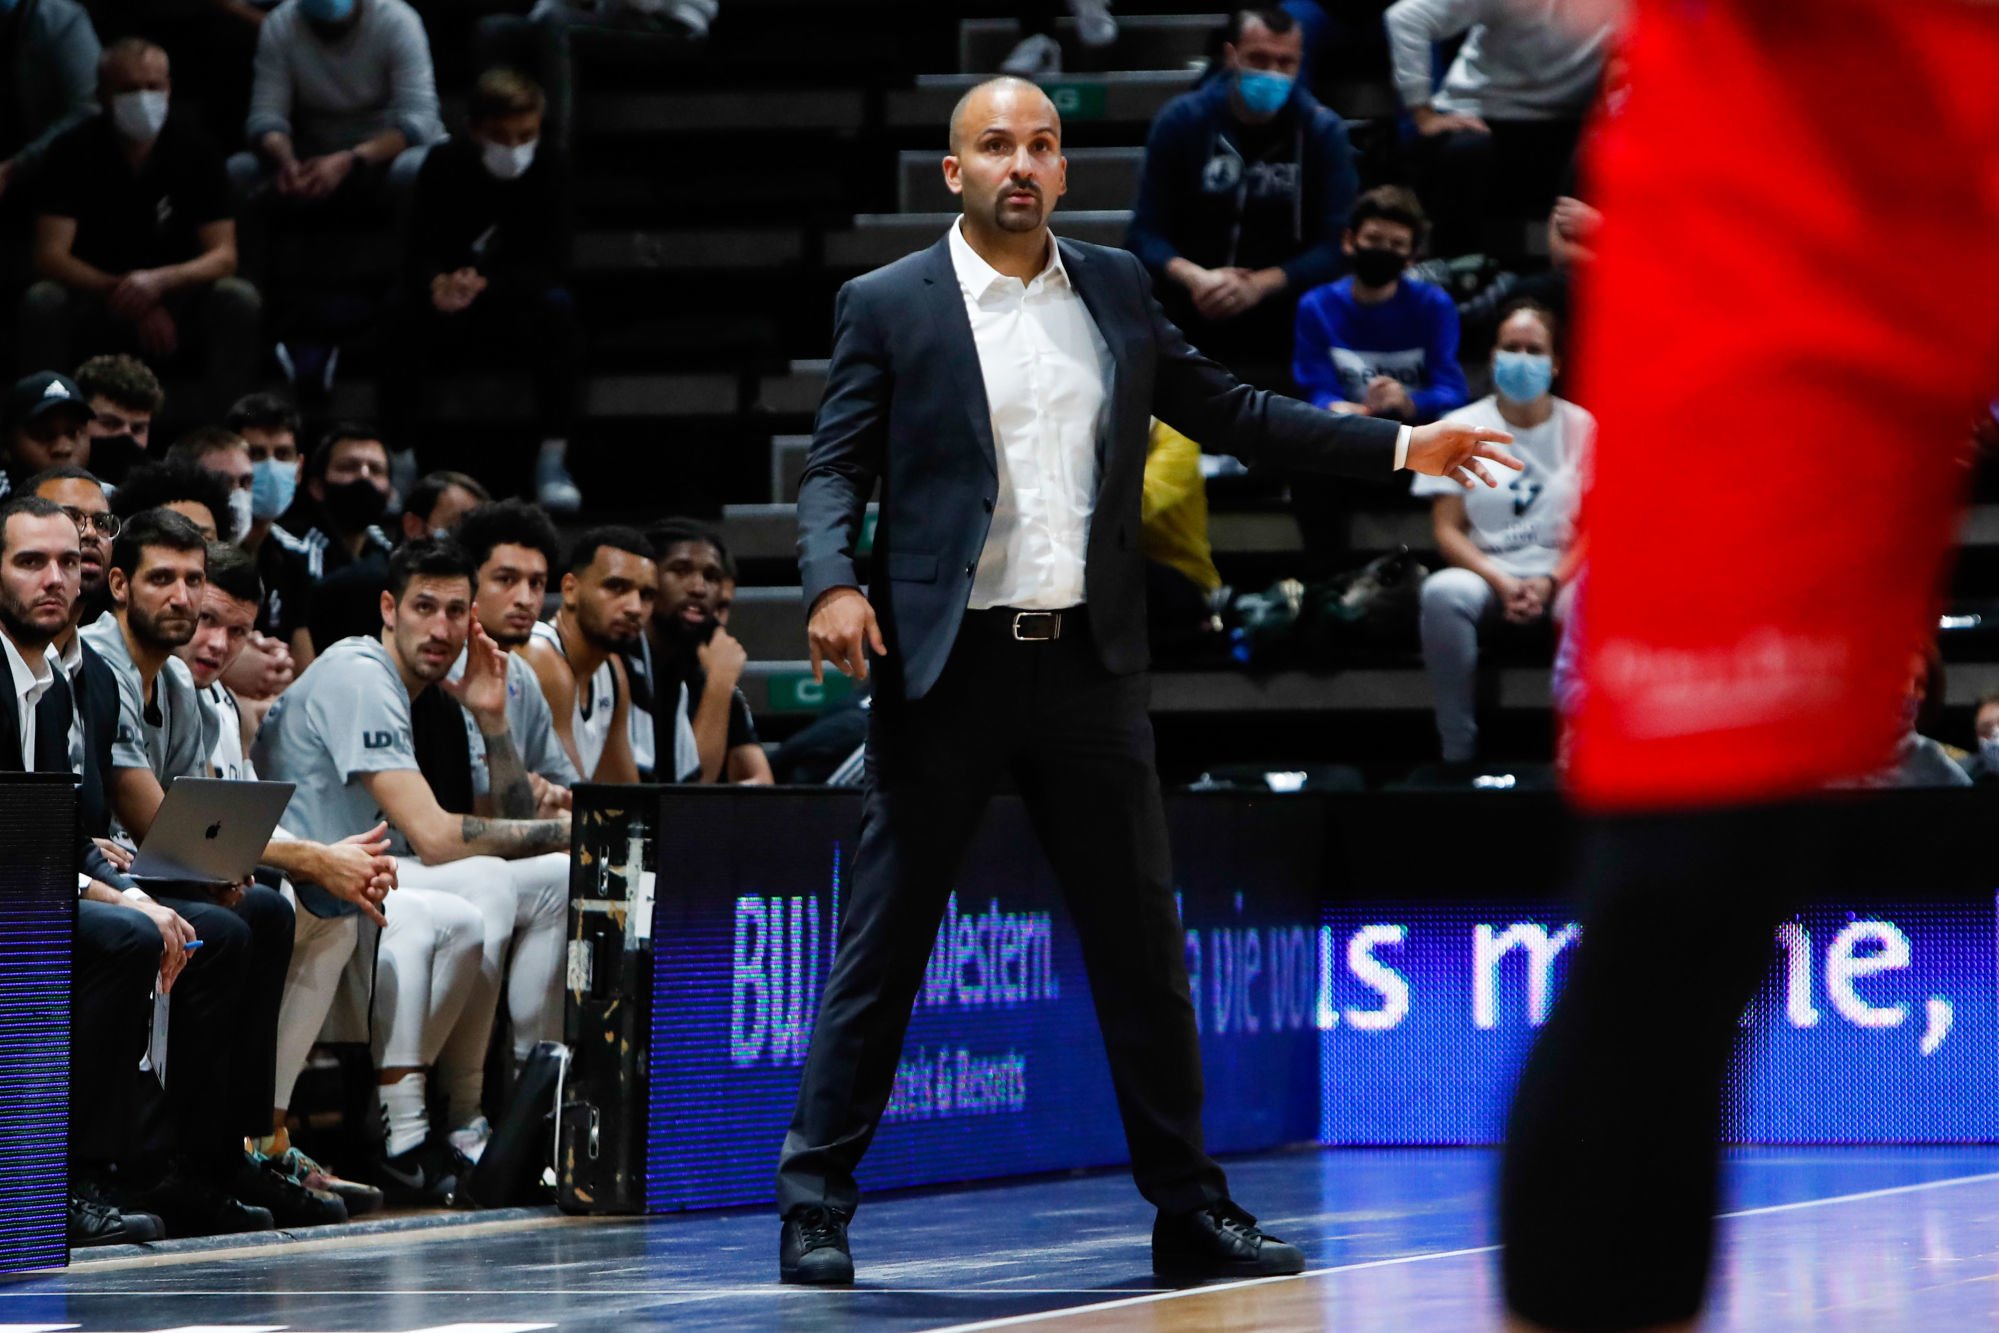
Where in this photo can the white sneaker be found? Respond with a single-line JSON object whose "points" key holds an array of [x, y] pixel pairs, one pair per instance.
{"points": [[471, 1141], [1035, 57], [1094, 24]]}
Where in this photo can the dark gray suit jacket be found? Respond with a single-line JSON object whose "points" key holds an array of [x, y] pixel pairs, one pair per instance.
{"points": [[905, 406]]}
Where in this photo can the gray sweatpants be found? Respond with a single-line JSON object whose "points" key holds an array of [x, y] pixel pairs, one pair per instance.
{"points": [[1457, 606]]}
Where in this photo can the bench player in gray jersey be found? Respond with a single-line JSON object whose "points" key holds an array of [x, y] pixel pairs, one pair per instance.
{"points": [[342, 733]]}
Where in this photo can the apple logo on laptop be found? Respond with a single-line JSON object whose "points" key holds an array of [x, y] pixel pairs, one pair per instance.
{"points": [[213, 830]]}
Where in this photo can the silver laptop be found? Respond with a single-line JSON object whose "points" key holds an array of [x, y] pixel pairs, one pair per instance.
{"points": [[210, 831]]}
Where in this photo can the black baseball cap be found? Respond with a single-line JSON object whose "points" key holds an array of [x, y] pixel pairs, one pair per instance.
{"points": [[42, 393]]}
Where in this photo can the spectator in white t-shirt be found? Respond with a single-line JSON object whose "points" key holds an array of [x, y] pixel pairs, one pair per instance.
{"points": [[1504, 548]]}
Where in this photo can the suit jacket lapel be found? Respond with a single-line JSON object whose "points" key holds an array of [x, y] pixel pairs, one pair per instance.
{"points": [[1088, 280], [953, 340], [11, 758]]}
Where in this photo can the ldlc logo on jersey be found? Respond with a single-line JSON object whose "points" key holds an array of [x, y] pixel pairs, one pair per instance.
{"points": [[377, 740]]}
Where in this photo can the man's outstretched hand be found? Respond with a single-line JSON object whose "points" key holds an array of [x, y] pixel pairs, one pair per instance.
{"points": [[1448, 449]]}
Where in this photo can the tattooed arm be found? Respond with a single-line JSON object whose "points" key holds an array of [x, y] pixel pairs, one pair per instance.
{"points": [[437, 836]]}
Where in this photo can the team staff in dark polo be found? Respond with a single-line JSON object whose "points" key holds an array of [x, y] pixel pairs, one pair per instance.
{"points": [[999, 387]]}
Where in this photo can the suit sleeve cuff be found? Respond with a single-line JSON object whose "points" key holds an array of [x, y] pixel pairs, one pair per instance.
{"points": [[1402, 438]]}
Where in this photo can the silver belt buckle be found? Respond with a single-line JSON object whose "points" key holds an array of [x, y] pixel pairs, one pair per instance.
{"points": [[1036, 626]]}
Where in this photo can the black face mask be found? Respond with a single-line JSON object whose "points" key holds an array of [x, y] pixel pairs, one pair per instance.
{"points": [[112, 456], [1376, 267], [353, 505]]}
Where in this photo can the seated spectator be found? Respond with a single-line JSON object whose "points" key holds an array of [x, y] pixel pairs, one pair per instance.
{"points": [[544, 42], [1504, 549], [1246, 186], [269, 426], [195, 493], [1180, 573], [344, 735], [607, 598], [1494, 140], [262, 666], [689, 656], [332, 529], [322, 944], [135, 237], [343, 107], [1379, 342], [1982, 765], [344, 90], [158, 569], [44, 427], [126, 396], [512, 546], [1918, 761], [483, 281], [436, 503], [49, 50]]}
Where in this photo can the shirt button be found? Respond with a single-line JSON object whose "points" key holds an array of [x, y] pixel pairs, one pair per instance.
{"points": [[971, 568]]}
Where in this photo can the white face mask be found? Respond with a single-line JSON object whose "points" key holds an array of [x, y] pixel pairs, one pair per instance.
{"points": [[1988, 749], [508, 163], [139, 115], [241, 512]]}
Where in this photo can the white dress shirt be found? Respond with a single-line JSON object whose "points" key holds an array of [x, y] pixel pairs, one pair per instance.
{"points": [[29, 687], [1047, 371]]}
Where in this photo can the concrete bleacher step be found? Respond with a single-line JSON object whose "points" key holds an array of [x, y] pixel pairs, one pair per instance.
{"points": [[1124, 96], [881, 238], [1100, 179], [810, 111], [1149, 41], [480, 398], [706, 249]]}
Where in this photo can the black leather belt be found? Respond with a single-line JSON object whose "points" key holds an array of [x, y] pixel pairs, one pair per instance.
{"points": [[1005, 622], [1036, 626]]}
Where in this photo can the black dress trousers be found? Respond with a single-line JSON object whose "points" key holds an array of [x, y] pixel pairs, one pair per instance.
{"points": [[1077, 742]]}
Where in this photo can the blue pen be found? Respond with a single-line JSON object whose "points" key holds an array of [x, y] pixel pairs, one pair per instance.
{"points": [[191, 945]]}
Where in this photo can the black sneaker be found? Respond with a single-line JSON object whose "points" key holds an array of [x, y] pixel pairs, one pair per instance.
{"points": [[192, 1205], [93, 1222], [424, 1177], [289, 1203], [1220, 1240], [299, 1168], [812, 1248]]}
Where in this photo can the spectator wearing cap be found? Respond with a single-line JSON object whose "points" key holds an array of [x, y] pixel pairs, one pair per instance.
{"points": [[1243, 197], [126, 396], [48, 83], [135, 236], [436, 503], [484, 279], [47, 415]]}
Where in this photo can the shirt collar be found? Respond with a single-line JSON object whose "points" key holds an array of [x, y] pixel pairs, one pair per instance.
{"points": [[977, 277], [72, 656], [27, 681]]}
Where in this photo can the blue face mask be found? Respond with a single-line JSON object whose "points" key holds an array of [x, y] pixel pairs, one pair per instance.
{"points": [[272, 485], [1522, 376], [1262, 93], [327, 11]]}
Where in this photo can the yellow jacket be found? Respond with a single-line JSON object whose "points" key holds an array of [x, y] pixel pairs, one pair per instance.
{"points": [[1173, 511]]}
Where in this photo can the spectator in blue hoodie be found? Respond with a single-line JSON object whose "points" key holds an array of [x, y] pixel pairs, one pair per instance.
{"points": [[1245, 191], [1379, 342]]}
